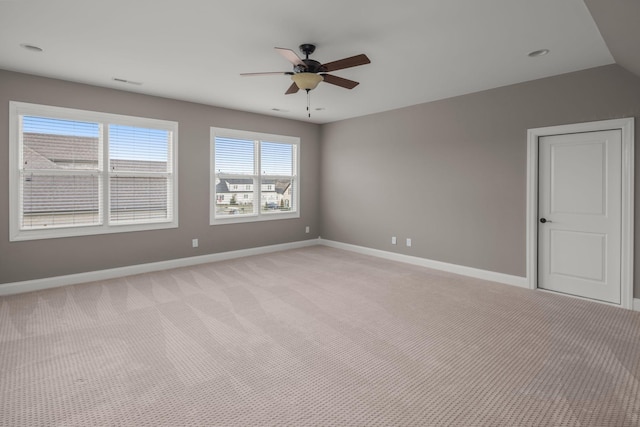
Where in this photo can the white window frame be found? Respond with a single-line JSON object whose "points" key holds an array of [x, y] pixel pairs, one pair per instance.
{"points": [[18, 109], [256, 137]]}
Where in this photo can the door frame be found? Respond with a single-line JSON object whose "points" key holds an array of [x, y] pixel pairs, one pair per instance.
{"points": [[626, 126]]}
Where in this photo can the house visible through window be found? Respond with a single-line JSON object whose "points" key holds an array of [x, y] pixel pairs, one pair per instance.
{"points": [[78, 172], [265, 166]]}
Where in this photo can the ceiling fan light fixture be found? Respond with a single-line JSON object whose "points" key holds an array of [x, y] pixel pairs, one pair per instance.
{"points": [[307, 81]]}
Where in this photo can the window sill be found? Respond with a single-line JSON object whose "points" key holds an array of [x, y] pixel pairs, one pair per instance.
{"points": [[238, 219], [89, 230]]}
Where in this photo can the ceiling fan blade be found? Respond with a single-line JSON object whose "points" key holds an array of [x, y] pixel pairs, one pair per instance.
{"points": [[290, 56], [286, 73], [292, 89], [339, 81], [341, 64]]}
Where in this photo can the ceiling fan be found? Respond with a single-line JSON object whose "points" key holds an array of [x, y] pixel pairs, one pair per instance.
{"points": [[308, 73]]}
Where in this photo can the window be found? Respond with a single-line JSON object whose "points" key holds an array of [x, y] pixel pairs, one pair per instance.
{"points": [[267, 166], [77, 172]]}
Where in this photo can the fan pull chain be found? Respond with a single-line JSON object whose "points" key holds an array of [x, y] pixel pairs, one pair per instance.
{"points": [[309, 103]]}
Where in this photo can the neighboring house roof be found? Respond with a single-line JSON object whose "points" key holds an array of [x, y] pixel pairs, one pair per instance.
{"points": [[137, 165], [46, 193], [239, 181], [280, 185], [63, 151], [221, 187], [34, 160], [48, 151]]}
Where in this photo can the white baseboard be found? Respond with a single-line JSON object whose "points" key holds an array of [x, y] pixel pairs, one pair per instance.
{"points": [[112, 273], [436, 265], [636, 304]]}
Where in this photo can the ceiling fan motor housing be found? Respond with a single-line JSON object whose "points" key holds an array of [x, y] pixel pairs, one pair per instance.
{"points": [[310, 66]]}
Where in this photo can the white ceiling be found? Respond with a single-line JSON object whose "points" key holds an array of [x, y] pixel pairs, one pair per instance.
{"points": [[194, 50]]}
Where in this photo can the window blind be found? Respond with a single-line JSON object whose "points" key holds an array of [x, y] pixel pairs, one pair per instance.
{"points": [[59, 173], [235, 177], [75, 172], [140, 165], [277, 158], [254, 176], [235, 156], [277, 164]]}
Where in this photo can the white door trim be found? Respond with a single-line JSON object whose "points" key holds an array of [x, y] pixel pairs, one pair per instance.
{"points": [[627, 127]]}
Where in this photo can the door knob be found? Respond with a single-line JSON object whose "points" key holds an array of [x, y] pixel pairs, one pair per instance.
{"points": [[543, 220]]}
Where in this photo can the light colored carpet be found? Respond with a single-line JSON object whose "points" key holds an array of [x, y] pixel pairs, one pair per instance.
{"points": [[315, 336]]}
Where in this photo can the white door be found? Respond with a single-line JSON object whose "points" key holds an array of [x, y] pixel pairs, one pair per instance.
{"points": [[579, 214]]}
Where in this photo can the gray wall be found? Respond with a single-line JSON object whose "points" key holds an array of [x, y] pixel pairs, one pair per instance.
{"points": [[451, 174], [53, 257]]}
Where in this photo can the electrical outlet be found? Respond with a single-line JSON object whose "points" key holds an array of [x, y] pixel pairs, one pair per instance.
{"points": [[408, 243], [306, 229], [194, 243], [394, 241]]}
